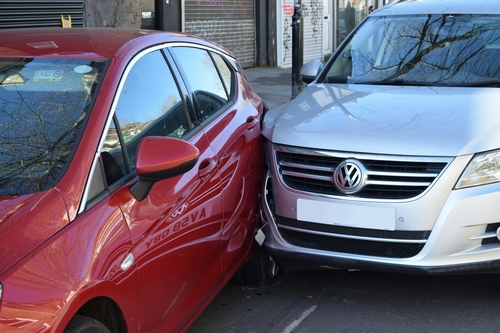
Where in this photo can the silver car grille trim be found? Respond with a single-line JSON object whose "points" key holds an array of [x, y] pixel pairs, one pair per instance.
{"points": [[373, 173], [386, 177], [306, 175], [485, 235], [373, 239], [306, 167], [368, 182], [399, 183]]}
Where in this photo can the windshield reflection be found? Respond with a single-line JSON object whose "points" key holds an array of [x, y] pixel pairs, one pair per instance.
{"points": [[445, 50], [44, 103]]}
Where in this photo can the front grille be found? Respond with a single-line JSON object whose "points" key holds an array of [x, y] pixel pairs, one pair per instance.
{"points": [[377, 243], [387, 177]]}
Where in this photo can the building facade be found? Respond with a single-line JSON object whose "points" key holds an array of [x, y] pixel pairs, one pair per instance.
{"points": [[259, 33], [32, 13], [325, 24]]}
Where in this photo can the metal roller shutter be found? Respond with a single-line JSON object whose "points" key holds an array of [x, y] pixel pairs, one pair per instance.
{"points": [[312, 31], [32, 13], [229, 23], [312, 18]]}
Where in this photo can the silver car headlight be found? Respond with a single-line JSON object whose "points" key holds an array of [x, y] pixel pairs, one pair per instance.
{"points": [[483, 169]]}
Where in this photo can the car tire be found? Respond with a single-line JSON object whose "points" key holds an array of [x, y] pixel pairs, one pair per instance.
{"points": [[83, 324], [260, 271]]}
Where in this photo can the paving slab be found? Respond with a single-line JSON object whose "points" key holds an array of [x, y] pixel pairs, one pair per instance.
{"points": [[272, 84]]}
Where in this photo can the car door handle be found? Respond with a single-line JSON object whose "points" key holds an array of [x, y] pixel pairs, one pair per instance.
{"points": [[207, 167], [252, 121]]}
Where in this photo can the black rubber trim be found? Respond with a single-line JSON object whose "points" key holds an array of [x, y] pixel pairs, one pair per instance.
{"points": [[289, 261]]}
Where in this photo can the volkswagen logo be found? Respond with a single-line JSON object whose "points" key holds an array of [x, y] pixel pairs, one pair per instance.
{"points": [[349, 176]]}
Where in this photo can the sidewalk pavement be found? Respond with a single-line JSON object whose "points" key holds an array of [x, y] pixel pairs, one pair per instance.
{"points": [[272, 84]]}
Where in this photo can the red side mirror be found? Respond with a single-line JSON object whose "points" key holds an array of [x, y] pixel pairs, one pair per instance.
{"points": [[160, 158]]}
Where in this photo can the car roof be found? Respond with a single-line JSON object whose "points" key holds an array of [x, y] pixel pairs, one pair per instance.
{"points": [[87, 43], [403, 7]]}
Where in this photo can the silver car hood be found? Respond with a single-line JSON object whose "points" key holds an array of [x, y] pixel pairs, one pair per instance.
{"points": [[420, 121]]}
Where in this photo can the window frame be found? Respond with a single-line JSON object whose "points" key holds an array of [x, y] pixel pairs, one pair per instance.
{"points": [[97, 172], [186, 97], [231, 94]]}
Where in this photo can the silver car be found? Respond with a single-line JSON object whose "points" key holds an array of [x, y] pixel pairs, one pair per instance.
{"points": [[389, 160]]}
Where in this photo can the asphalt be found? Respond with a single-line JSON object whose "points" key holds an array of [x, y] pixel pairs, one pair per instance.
{"points": [[272, 84]]}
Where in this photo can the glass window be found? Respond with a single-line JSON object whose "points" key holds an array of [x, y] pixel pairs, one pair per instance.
{"points": [[447, 50], [150, 104], [148, 14], [44, 104], [203, 79], [350, 15], [225, 71], [112, 158]]}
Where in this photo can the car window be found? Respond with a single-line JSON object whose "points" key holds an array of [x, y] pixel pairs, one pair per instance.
{"points": [[203, 79], [225, 72], [448, 50], [44, 105], [113, 160], [112, 164], [149, 104]]}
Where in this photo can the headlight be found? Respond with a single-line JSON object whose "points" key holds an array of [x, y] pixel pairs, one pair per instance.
{"points": [[483, 169], [1, 290]]}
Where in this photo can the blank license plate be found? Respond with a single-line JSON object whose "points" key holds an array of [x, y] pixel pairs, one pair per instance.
{"points": [[346, 214]]}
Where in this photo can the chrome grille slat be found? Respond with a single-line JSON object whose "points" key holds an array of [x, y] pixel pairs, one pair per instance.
{"points": [[378, 182], [387, 177], [373, 239], [370, 182], [307, 167], [402, 174], [485, 235], [305, 175]]}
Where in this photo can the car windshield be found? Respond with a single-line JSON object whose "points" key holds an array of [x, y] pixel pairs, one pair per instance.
{"points": [[441, 50], [44, 105]]}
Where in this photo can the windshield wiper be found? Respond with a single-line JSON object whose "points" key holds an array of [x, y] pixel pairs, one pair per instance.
{"points": [[401, 82], [398, 82], [493, 83]]}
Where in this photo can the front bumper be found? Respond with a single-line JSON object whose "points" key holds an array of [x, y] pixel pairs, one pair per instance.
{"points": [[456, 234]]}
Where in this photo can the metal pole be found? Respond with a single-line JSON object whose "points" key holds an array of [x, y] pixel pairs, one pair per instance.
{"points": [[296, 49]]}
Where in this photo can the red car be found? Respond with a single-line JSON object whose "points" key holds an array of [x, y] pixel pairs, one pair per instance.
{"points": [[130, 166]]}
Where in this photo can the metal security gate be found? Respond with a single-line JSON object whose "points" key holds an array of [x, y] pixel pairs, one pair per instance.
{"points": [[37, 13], [312, 31], [227, 22]]}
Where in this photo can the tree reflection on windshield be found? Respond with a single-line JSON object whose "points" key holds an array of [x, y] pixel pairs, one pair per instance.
{"points": [[441, 49], [44, 104]]}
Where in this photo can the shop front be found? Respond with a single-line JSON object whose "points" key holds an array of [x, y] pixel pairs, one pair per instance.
{"points": [[229, 23], [325, 24]]}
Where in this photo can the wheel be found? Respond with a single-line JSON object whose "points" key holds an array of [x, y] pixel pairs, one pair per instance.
{"points": [[260, 271], [82, 324]]}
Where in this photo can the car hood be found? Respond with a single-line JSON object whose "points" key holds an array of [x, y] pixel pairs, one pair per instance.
{"points": [[421, 121], [26, 222]]}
